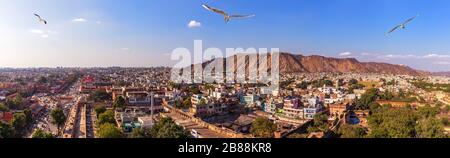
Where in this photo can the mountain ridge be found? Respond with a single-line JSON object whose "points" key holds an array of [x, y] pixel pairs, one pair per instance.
{"points": [[297, 63]]}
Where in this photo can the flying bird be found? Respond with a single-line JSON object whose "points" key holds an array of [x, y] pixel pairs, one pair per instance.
{"points": [[403, 25], [40, 19], [226, 16]]}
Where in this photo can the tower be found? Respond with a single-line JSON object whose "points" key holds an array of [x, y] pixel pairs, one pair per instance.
{"points": [[151, 107]]}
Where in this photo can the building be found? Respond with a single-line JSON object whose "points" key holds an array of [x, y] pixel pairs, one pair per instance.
{"points": [[358, 117], [216, 94], [310, 113], [196, 98], [6, 117], [138, 98], [293, 109], [313, 101], [337, 110], [249, 100], [36, 110], [203, 106], [146, 122], [271, 106], [199, 105]]}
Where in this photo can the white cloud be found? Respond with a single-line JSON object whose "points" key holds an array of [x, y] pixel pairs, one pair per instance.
{"points": [[36, 31], [52, 32], [42, 33], [403, 56], [79, 20], [98, 22], [443, 63], [194, 24], [345, 54], [125, 49], [436, 56], [367, 54]]}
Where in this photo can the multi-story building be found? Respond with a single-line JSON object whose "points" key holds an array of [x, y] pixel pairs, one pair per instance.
{"points": [[292, 110], [140, 98], [337, 110], [249, 100], [314, 106]]}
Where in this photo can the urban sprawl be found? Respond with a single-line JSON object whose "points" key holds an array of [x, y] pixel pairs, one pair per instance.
{"points": [[144, 103]]}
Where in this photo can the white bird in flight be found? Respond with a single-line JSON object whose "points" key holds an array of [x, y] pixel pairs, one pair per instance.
{"points": [[227, 17], [40, 18], [403, 25]]}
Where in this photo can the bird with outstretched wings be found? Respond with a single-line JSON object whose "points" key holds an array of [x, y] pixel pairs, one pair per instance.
{"points": [[40, 19], [403, 25], [227, 17]]}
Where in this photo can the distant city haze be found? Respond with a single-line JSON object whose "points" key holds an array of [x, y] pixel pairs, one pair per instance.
{"points": [[142, 33]]}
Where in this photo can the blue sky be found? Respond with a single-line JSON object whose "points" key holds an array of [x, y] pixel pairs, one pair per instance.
{"points": [[90, 33]]}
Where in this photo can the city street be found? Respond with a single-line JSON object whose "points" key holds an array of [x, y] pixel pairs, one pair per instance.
{"points": [[51, 102]]}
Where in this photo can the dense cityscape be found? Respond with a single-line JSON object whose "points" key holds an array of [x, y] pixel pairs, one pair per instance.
{"points": [[144, 103]]}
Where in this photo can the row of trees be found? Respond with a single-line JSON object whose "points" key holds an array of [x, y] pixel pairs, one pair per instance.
{"points": [[320, 123], [41, 134], [18, 124], [16, 103], [22, 120], [263, 128], [185, 104], [386, 122], [106, 123], [432, 87], [165, 128], [99, 96]]}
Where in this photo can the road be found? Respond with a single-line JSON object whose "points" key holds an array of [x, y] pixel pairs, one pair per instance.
{"points": [[65, 101]]}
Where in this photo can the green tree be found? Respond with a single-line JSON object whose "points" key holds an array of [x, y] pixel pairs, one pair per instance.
{"points": [[446, 109], [187, 103], [106, 117], [428, 111], [392, 123], [99, 109], [430, 128], [387, 95], [328, 83], [140, 133], [367, 98], [374, 106], [58, 117], [353, 81], [43, 79], [298, 135], [445, 121], [16, 103], [6, 130], [355, 86], [203, 101], [18, 100], [119, 103], [19, 122], [263, 128], [166, 128], [352, 131], [320, 123], [3, 108], [99, 96], [28, 116], [41, 134], [108, 130], [303, 85]]}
